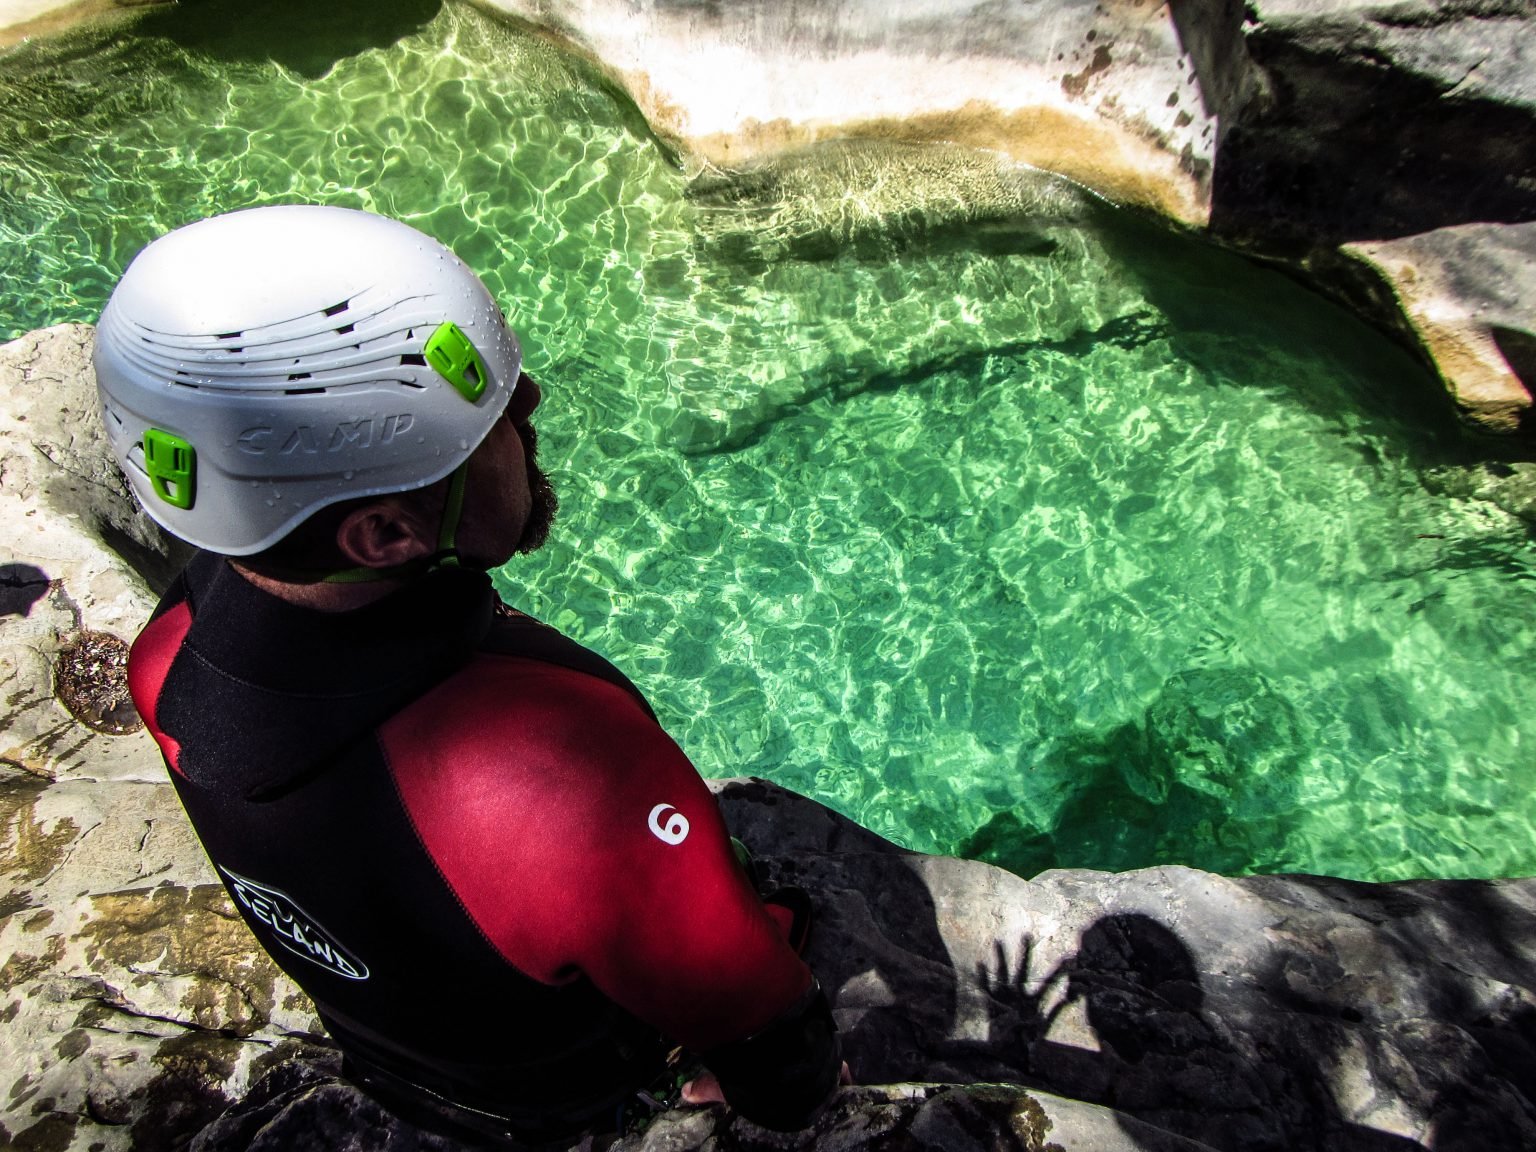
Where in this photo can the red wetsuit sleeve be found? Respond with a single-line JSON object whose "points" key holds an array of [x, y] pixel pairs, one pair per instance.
{"points": [[581, 841], [149, 663]]}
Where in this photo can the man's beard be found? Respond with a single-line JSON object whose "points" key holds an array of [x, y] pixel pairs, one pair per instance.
{"points": [[541, 514]]}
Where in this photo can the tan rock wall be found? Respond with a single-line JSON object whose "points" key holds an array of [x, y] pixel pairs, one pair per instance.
{"points": [[1102, 93]]}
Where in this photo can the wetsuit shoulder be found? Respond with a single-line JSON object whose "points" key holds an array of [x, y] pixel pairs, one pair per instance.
{"points": [[582, 842]]}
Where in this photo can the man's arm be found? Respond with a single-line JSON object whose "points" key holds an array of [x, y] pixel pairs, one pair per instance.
{"points": [[584, 843]]}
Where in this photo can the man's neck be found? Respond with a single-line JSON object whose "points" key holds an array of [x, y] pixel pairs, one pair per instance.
{"points": [[320, 596]]}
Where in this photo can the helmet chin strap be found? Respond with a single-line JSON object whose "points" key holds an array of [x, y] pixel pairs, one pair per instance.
{"points": [[446, 555]]}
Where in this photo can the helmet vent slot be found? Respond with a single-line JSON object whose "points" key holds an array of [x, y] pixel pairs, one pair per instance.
{"points": [[336, 308], [344, 329], [303, 391], [415, 358]]}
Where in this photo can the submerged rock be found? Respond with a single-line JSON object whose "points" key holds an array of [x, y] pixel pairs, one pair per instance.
{"points": [[876, 200], [865, 264]]}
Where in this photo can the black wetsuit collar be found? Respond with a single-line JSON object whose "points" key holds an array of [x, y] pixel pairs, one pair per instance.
{"points": [[262, 640]]}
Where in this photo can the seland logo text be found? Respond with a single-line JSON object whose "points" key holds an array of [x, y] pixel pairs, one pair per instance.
{"points": [[294, 928]]}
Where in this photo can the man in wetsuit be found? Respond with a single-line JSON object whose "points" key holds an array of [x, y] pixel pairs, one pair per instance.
{"points": [[507, 891]]}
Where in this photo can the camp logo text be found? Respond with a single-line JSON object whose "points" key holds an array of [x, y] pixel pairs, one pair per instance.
{"points": [[310, 440], [297, 930]]}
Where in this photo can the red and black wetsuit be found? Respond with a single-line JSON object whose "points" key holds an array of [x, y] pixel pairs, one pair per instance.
{"points": [[469, 841]]}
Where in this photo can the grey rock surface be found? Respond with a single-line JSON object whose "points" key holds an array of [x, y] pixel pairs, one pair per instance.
{"points": [[1162, 1009], [1268, 1012], [1100, 92]]}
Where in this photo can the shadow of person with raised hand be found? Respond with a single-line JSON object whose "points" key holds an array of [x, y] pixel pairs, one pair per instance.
{"points": [[1163, 1059]]}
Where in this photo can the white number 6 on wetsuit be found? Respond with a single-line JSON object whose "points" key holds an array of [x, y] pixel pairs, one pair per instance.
{"points": [[676, 830]]}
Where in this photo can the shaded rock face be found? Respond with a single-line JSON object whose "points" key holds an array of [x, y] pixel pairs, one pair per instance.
{"points": [[1269, 1012], [1404, 135], [1346, 121]]}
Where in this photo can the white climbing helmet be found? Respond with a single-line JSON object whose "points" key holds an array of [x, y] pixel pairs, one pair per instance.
{"points": [[258, 366]]}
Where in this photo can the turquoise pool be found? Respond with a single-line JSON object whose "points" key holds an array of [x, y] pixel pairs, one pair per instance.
{"points": [[1001, 521]]}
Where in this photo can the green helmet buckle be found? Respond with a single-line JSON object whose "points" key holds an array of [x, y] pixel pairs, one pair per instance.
{"points": [[171, 465], [457, 360]]}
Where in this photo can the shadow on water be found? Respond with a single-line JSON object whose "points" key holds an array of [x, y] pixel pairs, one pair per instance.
{"points": [[1244, 324], [305, 37], [1207, 777]]}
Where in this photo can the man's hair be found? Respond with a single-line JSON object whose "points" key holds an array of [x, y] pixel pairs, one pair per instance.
{"points": [[309, 553]]}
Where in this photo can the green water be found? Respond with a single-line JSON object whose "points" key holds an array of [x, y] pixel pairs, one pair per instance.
{"points": [[928, 487]]}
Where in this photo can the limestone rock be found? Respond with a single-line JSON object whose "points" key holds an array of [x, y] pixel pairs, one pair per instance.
{"points": [[135, 1002], [21, 19], [1470, 294], [1101, 93], [1268, 1012], [66, 516]]}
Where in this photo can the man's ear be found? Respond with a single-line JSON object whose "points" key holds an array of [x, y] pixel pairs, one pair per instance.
{"points": [[384, 533]]}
